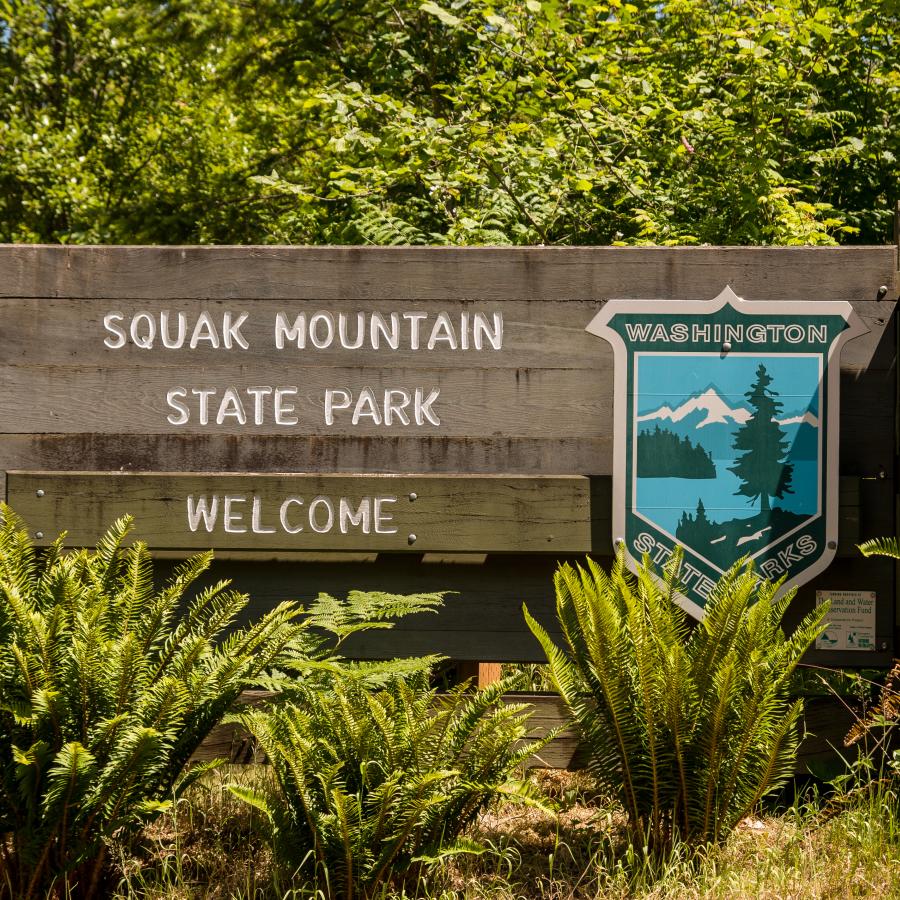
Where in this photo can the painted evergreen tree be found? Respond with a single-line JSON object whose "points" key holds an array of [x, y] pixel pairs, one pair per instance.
{"points": [[763, 467]]}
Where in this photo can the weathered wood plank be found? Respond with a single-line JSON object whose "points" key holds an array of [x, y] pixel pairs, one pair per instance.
{"points": [[571, 455], [437, 273], [535, 334], [470, 402], [826, 721], [312, 512], [596, 507]]}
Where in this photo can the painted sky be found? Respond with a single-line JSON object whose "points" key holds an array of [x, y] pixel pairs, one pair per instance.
{"points": [[672, 378]]}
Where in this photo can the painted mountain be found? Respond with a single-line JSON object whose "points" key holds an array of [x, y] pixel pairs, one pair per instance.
{"points": [[708, 419]]}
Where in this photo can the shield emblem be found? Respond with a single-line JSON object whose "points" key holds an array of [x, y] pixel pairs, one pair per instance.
{"points": [[726, 433]]}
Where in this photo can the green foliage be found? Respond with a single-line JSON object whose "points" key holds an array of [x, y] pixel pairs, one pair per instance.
{"points": [[107, 686], [375, 785], [688, 727], [466, 121], [881, 547]]}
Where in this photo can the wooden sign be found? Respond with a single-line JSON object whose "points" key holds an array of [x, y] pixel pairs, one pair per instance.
{"points": [[276, 381], [389, 513]]}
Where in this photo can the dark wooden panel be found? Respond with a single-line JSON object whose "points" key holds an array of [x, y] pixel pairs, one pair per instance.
{"points": [[306, 453], [312, 512], [826, 721]]}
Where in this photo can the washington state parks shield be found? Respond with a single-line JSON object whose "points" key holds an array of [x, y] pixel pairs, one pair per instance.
{"points": [[726, 433]]}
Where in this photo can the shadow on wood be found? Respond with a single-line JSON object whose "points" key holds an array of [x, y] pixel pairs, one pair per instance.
{"points": [[826, 721]]}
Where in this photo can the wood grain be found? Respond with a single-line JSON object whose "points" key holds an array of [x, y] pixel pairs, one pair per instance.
{"points": [[536, 334], [424, 512], [826, 721], [472, 402], [438, 273]]}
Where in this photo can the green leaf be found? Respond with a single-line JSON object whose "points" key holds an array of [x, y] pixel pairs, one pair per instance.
{"points": [[440, 13]]}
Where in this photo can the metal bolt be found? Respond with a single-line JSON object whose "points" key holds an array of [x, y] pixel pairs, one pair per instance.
{"points": [[39, 534], [832, 545], [39, 493], [882, 292], [726, 347], [620, 542], [411, 539], [413, 497]]}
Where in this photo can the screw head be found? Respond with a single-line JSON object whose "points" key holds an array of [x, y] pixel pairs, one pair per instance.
{"points": [[39, 534], [413, 497], [39, 493], [882, 292], [832, 545], [726, 347], [411, 539]]}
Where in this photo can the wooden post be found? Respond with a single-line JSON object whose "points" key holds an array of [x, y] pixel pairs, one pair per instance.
{"points": [[483, 673]]}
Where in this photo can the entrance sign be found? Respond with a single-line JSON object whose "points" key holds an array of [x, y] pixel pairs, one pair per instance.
{"points": [[284, 404], [726, 434]]}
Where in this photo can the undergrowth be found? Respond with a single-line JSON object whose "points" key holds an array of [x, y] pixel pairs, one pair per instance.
{"points": [[210, 846]]}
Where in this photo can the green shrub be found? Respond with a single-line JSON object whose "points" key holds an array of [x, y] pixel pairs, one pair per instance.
{"points": [[107, 686], [374, 785], [688, 727]]}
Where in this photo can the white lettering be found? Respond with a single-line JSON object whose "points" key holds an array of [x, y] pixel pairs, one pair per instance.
{"points": [[360, 518], [319, 342], [313, 517], [282, 515], [442, 330], [207, 511], [145, 340], [295, 332], [256, 525], [257, 393], [336, 398], [360, 331], [118, 339], [231, 405], [232, 331], [284, 409], [230, 517], [423, 407], [378, 328], [205, 330], [365, 406], [382, 518], [481, 329], [395, 408], [167, 341], [414, 320], [172, 398]]}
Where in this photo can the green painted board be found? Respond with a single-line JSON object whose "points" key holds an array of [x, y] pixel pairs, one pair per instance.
{"points": [[382, 513]]}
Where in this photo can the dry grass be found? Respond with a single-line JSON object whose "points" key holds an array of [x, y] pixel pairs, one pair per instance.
{"points": [[211, 848]]}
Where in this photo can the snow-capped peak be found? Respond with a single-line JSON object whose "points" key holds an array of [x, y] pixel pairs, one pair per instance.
{"points": [[806, 417], [716, 409]]}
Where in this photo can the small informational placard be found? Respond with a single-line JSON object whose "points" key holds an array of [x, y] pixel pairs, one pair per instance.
{"points": [[851, 620]]}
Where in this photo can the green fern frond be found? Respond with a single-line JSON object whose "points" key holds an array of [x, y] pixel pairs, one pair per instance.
{"points": [[885, 546]]}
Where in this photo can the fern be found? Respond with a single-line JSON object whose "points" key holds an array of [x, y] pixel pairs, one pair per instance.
{"points": [[373, 785], [886, 546], [688, 727], [107, 686]]}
